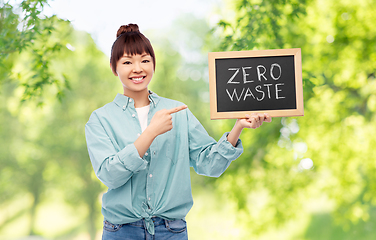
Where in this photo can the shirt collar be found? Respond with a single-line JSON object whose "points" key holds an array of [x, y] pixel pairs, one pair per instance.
{"points": [[122, 101], [154, 98]]}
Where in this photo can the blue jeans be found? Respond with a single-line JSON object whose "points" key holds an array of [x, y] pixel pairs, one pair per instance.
{"points": [[164, 229]]}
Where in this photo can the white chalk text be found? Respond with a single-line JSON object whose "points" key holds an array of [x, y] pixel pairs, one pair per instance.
{"points": [[268, 90]]}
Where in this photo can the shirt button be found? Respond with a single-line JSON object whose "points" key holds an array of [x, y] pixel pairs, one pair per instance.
{"points": [[138, 134], [133, 115], [130, 100], [146, 154], [149, 199], [151, 175], [154, 152], [124, 107]]}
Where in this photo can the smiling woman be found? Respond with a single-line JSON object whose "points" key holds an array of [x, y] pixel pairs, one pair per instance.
{"points": [[142, 147]]}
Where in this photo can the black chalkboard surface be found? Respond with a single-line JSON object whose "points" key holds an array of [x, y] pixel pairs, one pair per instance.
{"points": [[267, 81]]}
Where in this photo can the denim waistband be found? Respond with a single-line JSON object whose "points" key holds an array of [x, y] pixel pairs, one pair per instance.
{"points": [[140, 223]]}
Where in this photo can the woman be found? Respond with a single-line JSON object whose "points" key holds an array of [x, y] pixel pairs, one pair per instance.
{"points": [[141, 147]]}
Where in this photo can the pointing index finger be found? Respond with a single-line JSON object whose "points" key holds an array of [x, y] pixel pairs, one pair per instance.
{"points": [[177, 109]]}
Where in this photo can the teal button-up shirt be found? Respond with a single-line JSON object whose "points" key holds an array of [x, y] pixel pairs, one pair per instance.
{"points": [[158, 183]]}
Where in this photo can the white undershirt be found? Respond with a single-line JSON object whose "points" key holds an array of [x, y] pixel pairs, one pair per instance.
{"points": [[142, 113]]}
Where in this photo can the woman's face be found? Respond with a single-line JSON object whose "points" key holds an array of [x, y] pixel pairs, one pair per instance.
{"points": [[135, 72]]}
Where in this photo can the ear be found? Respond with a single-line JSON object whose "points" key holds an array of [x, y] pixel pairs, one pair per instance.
{"points": [[115, 73]]}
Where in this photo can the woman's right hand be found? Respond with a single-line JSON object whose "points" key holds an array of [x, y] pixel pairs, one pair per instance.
{"points": [[159, 124], [162, 120]]}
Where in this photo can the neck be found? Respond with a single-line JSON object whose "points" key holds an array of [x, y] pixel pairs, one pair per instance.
{"points": [[141, 99]]}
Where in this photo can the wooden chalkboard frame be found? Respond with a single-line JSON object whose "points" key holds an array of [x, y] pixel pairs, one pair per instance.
{"points": [[296, 52]]}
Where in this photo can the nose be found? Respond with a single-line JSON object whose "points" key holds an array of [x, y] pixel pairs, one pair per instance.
{"points": [[137, 68]]}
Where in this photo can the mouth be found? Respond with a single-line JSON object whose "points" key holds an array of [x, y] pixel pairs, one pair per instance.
{"points": [[137, 79]]}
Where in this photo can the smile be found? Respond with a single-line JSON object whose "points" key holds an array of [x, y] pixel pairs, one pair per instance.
{"points": [[137, 79]]}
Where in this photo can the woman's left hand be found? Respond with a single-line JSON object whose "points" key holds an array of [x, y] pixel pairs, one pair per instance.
{"points": [[254, 120]]}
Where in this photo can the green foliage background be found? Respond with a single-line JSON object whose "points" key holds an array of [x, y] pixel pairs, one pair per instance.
{"points": [[52, 77]]}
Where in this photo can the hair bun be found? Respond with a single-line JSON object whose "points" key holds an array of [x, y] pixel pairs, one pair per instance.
{"points": [[127, 28]]}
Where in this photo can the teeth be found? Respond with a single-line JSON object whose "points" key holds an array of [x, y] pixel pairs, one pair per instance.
{"points": [[137, 79]]}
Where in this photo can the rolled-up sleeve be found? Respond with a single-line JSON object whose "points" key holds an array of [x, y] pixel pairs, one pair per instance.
{"points": [[207, 156], [113, 167]]}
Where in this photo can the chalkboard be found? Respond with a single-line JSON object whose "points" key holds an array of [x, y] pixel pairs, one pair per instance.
{"points": [[265, 81]]}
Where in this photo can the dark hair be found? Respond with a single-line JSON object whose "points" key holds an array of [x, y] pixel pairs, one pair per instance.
{"points": [[130, 41]]}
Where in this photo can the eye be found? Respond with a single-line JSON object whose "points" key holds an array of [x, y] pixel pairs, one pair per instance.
{"points": [[127, 62], [145, 61]]}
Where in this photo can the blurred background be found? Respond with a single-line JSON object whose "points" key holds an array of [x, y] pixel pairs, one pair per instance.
{"points": [[302, 178]]}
